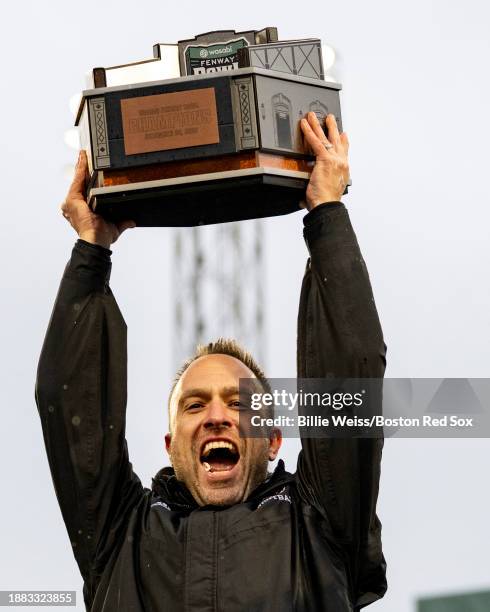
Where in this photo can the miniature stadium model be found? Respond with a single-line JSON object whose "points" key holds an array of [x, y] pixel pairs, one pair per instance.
{"points": [[205, 132]]}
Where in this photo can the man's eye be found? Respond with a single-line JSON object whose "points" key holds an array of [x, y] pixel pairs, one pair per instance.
{"points": [[194, 406], [237, 405]]}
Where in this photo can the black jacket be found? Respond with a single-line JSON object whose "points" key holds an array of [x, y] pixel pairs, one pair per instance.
{"points": [[304, 541]]}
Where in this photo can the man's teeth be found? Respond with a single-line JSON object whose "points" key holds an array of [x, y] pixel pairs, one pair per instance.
{"points": [[218, 444], [210, 468]]}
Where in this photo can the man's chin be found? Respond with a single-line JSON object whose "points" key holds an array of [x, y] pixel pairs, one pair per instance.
{"points": [[221, 497], [218, 490]]}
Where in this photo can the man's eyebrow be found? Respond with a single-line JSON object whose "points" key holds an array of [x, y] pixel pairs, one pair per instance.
{"points": [[232, 390], [196, 392], [206, 394]]}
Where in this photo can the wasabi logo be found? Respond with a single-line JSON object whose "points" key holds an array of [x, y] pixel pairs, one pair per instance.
{"points": [[220, 51]]}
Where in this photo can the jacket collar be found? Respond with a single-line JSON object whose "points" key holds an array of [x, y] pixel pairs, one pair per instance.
{"points": [[174, 492]]}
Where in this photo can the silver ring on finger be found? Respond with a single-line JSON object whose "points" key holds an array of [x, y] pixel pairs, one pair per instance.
{"points": [[328, 145]]}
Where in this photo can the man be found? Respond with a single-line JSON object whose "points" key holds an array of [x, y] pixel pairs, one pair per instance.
{"points": [[216, 532]]}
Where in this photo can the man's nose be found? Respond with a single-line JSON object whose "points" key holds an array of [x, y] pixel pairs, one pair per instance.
{"points": [[217, 415]]}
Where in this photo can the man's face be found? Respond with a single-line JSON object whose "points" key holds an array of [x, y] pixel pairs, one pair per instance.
{"points": [[217, 465]]}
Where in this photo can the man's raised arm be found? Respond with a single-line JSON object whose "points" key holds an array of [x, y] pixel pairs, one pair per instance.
{"points": [[81, 394], [339, 336]]}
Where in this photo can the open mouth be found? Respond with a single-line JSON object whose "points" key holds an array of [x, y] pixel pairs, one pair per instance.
{"points": [[219, 456]]}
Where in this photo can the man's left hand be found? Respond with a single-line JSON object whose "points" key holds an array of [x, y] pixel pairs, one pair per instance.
{"points": [[331, 171]]}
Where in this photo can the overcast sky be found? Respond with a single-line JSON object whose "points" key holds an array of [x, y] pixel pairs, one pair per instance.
{"points": [[415, 105]]}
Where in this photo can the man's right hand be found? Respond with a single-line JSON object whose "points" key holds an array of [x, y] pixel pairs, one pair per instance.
{"points": [[89, 226]]}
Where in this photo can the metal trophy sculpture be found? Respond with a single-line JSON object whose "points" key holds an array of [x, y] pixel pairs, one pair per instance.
{"points": [[205, 132]]}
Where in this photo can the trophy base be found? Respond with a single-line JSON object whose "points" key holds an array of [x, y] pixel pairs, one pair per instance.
{"points": [[203, 199]]}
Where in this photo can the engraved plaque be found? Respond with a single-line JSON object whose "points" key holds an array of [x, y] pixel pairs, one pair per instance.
{"points": [[170, 121]]}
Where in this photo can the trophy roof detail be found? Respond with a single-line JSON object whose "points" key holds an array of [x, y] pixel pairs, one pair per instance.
{"points": [[216, 51]]}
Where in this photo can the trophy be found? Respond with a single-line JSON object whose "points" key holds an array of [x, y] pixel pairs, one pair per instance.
{"points": [[207, 131]]}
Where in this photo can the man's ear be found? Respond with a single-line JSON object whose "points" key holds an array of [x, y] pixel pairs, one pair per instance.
{"points": [[275, 441], [168, 439]]}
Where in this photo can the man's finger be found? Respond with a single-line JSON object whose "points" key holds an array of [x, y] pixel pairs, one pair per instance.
{"points": [[77, 187], [345, 141], [317, 128], [312, 139], [333, 130], [63, 211], [124, 225]]}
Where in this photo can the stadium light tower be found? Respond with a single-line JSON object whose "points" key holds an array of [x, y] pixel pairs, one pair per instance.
{"points": [[218, 280]]}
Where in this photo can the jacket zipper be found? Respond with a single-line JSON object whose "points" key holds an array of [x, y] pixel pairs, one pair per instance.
{"points": [[216, 559]]}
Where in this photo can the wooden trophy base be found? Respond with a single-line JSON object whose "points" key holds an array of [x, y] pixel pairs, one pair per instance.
{"points": [[236, 187]]}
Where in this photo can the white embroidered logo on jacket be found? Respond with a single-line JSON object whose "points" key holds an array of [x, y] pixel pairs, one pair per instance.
{"points": [[161, 504], [280, 496]]}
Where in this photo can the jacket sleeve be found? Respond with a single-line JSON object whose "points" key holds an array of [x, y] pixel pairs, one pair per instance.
{"points": [[81, 398], [339, 336]]}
